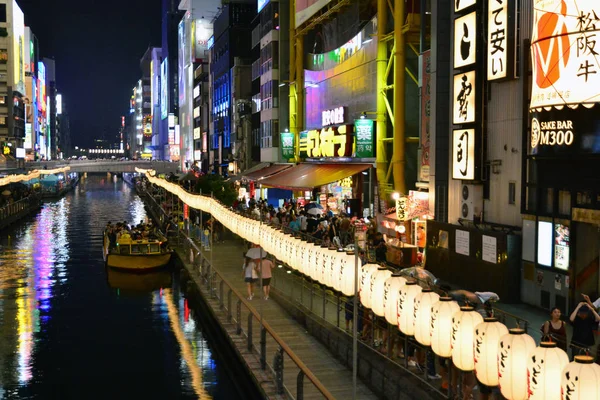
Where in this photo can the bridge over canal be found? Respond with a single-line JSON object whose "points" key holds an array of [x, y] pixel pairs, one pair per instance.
{"points": [[103, 166]]}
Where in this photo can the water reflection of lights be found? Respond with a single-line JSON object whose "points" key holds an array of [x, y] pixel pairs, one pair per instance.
{"points": [[186, 348], [44, 248], [137, 210]]}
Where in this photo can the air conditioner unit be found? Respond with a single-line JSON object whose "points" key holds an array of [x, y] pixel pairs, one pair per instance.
{"points": [[471, 201]]}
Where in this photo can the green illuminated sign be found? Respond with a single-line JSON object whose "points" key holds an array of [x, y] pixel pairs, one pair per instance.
{"points": [[364, 129], [287, 145]]}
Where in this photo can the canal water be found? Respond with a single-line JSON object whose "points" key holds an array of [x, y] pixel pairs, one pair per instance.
{"points": [[70, 329]]}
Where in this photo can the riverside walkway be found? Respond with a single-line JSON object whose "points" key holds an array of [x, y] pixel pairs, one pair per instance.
{"points": [[227, 258]]}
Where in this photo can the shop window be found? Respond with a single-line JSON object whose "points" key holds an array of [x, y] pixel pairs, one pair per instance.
{"points": [[547, 201], [564, 202], [512, 192], [528, 240], [2, 12], [584, 198], [531, 198]]}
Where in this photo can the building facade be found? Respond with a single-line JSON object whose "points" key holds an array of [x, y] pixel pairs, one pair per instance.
{"points": [[230, 52]]}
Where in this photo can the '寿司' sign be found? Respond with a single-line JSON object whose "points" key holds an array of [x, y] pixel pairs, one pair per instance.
{"points": [[566, 65]]}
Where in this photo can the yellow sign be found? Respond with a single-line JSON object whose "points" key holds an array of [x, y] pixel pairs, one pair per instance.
{"points": [[6, 150], [401, 208], [335, 141]]}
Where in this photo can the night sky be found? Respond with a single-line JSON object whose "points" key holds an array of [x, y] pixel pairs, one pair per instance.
{"points": [[97, 46]]}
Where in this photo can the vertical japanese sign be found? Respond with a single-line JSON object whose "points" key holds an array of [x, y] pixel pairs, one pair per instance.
{"points": [[364, 138], [463, 154], [465, 40], [401, 208], [463, 109], [499, 40], [425, 115], [287, 145]]}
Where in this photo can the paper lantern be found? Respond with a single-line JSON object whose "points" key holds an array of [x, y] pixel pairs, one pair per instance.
{"points": [[347, 273], [463, 337], [581, 379], [423, 303], [390, 297], [365, 283], [317, 268], [544, 371], [487, 338], [514, 350], [441, 326], [406, 307], [377, 287]]}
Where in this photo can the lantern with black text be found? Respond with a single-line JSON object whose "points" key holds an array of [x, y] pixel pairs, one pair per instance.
{"points": [[365, 283], [441, 326], [347, 272], [514, 350], [463, 337], [487, 337], [406, 307], [544, 370], [391, 290], [581, 380], [423, 303], [377, 286]]}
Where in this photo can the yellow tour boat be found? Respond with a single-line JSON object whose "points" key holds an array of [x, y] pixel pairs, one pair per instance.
{"points": [[137, 255]]}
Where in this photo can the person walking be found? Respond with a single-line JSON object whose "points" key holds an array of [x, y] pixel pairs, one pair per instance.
{"points": [[265, 267], [250, 276]]}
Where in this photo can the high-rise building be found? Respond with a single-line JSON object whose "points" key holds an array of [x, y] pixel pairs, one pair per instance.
{"points": [[231, 52], [169, 99], [146, 109], [195, 30], [52, 139], [271, 70], [31, 54], [12, 80], [155, 86]]}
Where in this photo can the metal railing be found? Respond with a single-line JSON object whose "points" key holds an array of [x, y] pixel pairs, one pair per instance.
{"points": [[19, 206], [232, 302]]}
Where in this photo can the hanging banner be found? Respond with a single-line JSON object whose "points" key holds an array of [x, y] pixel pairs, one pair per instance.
{"points": [[425, 115], [365, 133], [288, 140]]}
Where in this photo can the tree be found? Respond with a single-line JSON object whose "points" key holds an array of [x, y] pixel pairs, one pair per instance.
{"points": [[222, 190]]}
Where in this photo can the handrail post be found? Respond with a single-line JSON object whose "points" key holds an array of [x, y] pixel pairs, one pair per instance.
{"points": [[238, 328], [221, 293], [250, 332], [324, 301], [300, 386], [229, 305], [263, 347], [278, 367]]}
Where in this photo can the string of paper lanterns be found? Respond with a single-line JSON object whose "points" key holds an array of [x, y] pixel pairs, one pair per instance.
{"points": [[498, 357], [35, 174]]}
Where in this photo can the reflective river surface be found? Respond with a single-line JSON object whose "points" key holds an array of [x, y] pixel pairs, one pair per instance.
{"points": [[70, 329]]}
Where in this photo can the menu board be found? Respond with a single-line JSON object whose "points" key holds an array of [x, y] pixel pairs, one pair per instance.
{"points": [[462, 242], [562, 235], [489, 249]]}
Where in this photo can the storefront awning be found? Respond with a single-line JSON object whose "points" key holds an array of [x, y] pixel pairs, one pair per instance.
{"points": [[310, 176], [263, 173]]}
